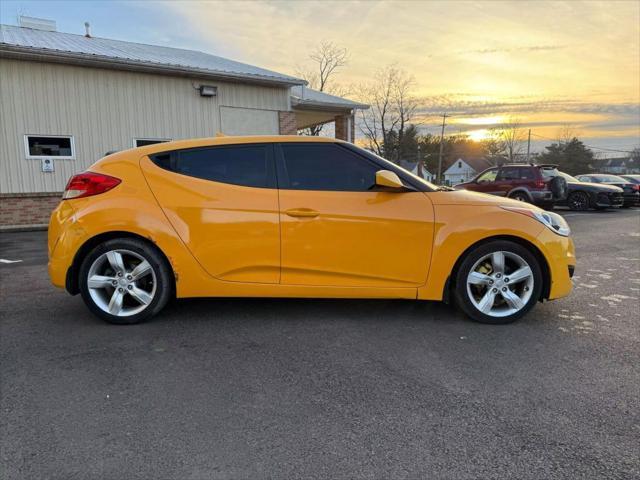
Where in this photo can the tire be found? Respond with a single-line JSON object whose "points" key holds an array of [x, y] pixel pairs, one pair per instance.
{"points": [[515, 258], [578, 201], [559, 188], [141, 298], [520, 196]]}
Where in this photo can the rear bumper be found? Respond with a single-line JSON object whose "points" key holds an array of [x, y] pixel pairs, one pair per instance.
{"points": [[65, 235], [541, 196]]}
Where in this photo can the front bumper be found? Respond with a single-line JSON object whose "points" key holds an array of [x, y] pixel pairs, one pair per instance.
{"points": [[609, 199], [560, 254]]}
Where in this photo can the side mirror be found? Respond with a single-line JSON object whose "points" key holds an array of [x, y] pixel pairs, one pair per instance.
{"points": [[389, 179]]}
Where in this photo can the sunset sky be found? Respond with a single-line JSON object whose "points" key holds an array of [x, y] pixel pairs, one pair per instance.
{"points": [[548, 63]]}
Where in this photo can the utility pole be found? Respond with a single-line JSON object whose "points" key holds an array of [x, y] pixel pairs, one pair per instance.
{"points": [[529, 146], [444, 119], [419, 164]]}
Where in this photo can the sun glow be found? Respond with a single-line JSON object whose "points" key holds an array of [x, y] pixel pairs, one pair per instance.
{"points": [[482, 121], [479, 135]]}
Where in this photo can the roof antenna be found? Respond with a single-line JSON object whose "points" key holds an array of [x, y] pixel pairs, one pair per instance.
{"points": [[87, 30]]}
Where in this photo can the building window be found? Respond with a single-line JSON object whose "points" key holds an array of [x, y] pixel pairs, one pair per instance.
{"points": [[59, 146], [142, 142], [459, 164]]}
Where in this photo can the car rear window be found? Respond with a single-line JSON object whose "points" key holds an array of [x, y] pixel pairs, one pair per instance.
{"points": [[246, 165], [549, 172]]}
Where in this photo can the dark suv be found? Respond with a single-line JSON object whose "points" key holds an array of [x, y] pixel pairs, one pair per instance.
{"points": [[537, 184]]}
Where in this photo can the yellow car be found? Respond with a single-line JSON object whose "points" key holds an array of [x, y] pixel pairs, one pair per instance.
{"points": [[291, 216]]}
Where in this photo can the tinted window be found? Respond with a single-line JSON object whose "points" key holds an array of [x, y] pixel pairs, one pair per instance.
{"points": [[509, 173], [488, 176], [49, 146], [142, 142], [239, 165], [326, 167], [527, 174]]}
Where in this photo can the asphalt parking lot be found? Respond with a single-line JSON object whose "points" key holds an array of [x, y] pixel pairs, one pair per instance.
{"points": [[272, 388]]}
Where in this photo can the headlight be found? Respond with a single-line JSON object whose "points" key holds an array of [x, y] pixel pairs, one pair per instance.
{"points": [[556, 223]]}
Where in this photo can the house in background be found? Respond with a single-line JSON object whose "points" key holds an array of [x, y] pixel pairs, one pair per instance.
{"points": [[417, 169], [461, 170], [618, 166], [69, 99]]}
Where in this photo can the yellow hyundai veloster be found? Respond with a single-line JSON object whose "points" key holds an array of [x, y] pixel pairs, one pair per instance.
{"points": [[291, 216]]}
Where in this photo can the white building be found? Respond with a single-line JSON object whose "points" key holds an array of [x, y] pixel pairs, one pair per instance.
{"points": [[69, 99], [464, 170]]}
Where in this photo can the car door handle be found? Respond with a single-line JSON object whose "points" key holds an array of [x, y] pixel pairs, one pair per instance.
{"points": [[301, 212]]}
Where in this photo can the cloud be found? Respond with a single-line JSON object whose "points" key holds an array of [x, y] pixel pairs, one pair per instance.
{"points": [[532, 48]]}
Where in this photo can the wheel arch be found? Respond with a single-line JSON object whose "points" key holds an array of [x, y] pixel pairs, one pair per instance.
{"points": [[72, 284], [521, 190], [450, 285]]}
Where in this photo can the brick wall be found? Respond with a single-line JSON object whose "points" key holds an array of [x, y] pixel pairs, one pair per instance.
{"points": [[288, 125], [22, 209]]}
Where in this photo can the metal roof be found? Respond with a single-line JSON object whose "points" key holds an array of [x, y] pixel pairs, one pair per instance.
{"points": [[306, 97], [66, 46]]}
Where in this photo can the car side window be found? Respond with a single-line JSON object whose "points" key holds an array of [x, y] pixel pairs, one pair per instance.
{"points": [[325, 167], [488, 176], [526, 174], [509, 173], [246, 165]]}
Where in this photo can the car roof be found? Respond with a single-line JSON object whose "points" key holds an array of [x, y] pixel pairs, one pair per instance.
{"points": [[533, 165], [231, 140]]}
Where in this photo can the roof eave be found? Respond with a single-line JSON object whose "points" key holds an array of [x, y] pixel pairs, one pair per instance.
{"points": [[99, 61], [326, 106]]}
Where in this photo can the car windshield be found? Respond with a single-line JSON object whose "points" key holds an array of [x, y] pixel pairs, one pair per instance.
{"points": [[567, 177], [632, 178], [610, 178]]}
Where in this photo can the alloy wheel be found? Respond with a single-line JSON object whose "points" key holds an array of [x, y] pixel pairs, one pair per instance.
{"points": [[500, 284], [578, 201], [121, 282]]}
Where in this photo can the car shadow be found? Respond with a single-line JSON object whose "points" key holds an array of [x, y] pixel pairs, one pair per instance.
{"points": [[297, 309]]}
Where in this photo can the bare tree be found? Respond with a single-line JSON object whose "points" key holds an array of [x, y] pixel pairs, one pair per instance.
{"points": [[392, 109], [566, 133], [327, 58], [511, 137]]}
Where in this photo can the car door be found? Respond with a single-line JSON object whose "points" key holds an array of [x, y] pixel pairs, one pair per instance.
{"points": [[338, 230], [223, 203], [507, 179], [485, 182]]}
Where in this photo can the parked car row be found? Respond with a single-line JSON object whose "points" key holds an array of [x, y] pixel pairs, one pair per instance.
{"points": [[546, 186]]}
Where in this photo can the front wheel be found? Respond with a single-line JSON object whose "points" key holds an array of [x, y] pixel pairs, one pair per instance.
{"points": [[578, 201], [498, 282], [125, 281]]}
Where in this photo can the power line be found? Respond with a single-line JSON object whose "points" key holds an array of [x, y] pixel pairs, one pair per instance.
{"points": [[589, 146]]}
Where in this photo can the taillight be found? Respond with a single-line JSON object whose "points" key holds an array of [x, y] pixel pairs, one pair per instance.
{"points": [[540, 183], [87, 184], [635, 187]]}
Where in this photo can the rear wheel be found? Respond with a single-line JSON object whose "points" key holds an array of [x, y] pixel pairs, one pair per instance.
{"points": [[498, 282], [520, 196], [125, 281], [578, 201]]}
